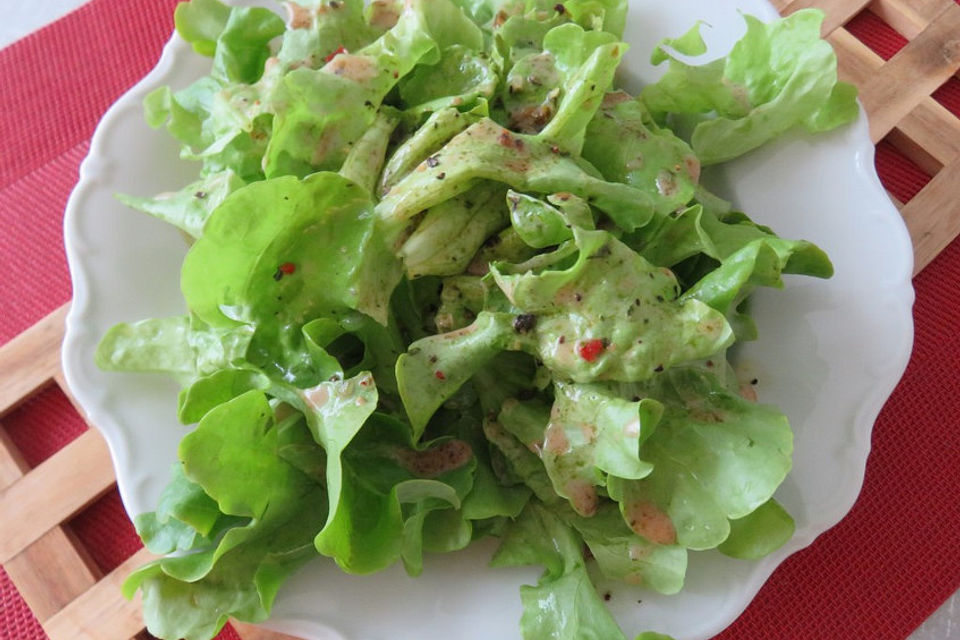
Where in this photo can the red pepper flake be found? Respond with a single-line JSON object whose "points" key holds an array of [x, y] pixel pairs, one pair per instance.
{"points": [[590, 349], [288, 268], [439, 375], [340, 49]]}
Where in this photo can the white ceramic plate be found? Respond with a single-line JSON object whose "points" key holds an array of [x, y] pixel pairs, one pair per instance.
{"points": [[829, 354]]}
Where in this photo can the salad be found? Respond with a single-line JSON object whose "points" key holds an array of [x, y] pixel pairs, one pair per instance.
{"points": [[447, 281]]}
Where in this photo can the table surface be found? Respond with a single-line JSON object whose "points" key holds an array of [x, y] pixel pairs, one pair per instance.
{"points": [[19, 19]]}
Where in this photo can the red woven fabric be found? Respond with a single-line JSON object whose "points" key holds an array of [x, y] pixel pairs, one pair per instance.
{"points": [[877, 575], [876, 34], [949, 95], [48, 414]]}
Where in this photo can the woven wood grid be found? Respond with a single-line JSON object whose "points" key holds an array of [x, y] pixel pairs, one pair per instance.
{"points": [[63, 586]]}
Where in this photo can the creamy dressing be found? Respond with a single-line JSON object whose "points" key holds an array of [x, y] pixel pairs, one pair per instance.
{"points": [[650, 522], [438, 460], [358, 68]]}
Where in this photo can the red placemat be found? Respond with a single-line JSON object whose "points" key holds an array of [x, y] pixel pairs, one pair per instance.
{"points": [[877, 575]]}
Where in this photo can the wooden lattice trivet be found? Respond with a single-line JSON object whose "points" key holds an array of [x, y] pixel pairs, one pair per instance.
{"points": [[63, 586]]}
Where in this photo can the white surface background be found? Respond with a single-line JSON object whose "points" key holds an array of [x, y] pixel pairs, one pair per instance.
{"points": [[18, 19]]}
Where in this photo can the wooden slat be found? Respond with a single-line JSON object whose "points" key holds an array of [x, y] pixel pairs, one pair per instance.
{"points": [[933, 216], [30, 360], [909, 17], [69, 480], [913, 73], [932, 127], [52, 572], [856, 62], [838, 12], [12, 464], [101, 612]]}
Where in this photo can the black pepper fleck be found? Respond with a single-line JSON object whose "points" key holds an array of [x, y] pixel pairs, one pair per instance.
{"points": [[441, 175], [524, 322], [492, 241], [433, 161]]}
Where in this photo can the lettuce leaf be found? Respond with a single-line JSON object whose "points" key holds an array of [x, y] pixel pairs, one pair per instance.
{"points": [[439, 128], [540, 224], [564, 604], [234, 457], [181, 347], [388, 489], [487, 151], [587, 435], [625, 145], [189, 208], [305, 227], [458, 79], [716, 457], [779, 75], [322, 112], [450, 233]]}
